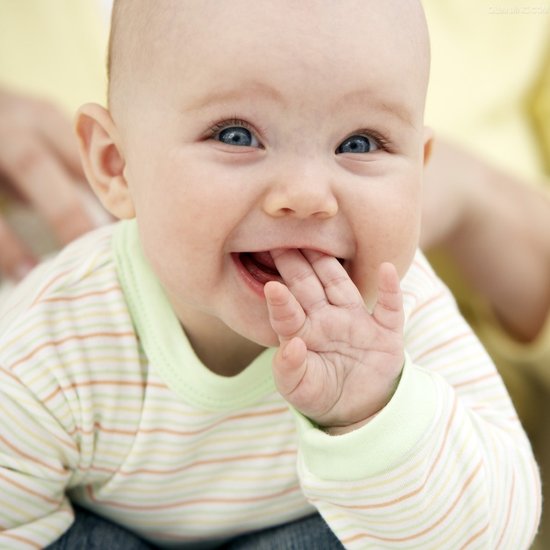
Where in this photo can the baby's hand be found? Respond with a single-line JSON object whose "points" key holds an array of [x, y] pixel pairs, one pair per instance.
{"points": [[337, 363]]}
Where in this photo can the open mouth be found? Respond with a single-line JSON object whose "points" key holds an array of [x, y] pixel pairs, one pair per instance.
{"points": [[260, 267]]}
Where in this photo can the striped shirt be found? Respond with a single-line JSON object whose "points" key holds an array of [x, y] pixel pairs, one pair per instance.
{"points": [[104, 403]]}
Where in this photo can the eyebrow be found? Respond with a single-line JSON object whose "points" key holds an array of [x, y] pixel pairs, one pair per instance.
{"points": [[257, 88], [398, 110], [221, 95]]}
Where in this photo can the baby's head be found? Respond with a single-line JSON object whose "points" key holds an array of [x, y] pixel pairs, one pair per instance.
{"points": [[237, 127]]}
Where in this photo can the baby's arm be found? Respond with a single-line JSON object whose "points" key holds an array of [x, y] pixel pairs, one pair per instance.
{"points": [[34, 454], [445, 463], [337, 363]]}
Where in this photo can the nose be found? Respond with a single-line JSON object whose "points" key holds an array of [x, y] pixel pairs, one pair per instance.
{"points": [[301, 192]]}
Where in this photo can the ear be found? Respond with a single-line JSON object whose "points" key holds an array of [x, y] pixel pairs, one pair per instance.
{"points": [[428, 143], [103, 160]]}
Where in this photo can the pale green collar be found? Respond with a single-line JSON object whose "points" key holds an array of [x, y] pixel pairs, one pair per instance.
{"points": [[165, 343]]}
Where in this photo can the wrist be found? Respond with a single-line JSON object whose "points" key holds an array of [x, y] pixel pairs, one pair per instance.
{"points": [[384, 440], [347, 428], [341, 430]]}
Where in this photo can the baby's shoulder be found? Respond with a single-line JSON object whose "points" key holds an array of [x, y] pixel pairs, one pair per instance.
{"points": [[68, 349], [75, 293], [77, 265]]}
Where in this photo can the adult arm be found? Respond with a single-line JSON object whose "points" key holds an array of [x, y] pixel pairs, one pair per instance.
{"points": [[496, 229]]}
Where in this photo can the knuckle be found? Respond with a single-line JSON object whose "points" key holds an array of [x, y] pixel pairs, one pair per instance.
{"points": [[336, 281], [300, 276]]}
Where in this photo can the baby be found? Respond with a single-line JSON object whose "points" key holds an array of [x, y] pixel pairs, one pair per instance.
{"points": [[259, 340]]}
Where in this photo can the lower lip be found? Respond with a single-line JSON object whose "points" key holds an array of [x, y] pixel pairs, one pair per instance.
{"points": [[253, 284]]}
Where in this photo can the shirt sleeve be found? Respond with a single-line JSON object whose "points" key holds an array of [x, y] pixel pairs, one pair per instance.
{"points": [[36, 457], [446, 464]]}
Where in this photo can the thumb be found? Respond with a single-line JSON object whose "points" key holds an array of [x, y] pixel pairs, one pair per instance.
{"points": [[388, 311], [289, 365]]}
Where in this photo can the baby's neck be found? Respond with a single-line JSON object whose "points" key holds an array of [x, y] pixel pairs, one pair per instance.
{"points": [[228, 355]]}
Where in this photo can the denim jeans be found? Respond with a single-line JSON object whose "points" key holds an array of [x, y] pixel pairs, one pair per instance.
{"points": [[92, 532]]}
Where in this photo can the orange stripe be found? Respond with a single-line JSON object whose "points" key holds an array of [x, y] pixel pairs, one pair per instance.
{"points": [[22, 539], [81, 296], [76, 385], [179, 432], [475, 536], [187, 466], [476, 380], [44, 288], [63, 274], [426, 304], [68, 338], [416, 491], [112, 471], [207, 462], [193, 502], [27, 490], [33, 458], [427, 529], [62, 441], [49, 284], [443, 345], [509, 512], [10, 374]]}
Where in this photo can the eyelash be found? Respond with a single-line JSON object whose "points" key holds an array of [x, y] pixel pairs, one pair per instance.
{"points": [[216, 127], [381, 140]]}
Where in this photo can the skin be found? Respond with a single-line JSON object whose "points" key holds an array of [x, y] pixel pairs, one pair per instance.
{"points": [[39, 160], [470, 208], [342, 227]]}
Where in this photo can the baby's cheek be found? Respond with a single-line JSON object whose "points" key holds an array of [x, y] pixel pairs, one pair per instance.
{"points": [[365, 281]]}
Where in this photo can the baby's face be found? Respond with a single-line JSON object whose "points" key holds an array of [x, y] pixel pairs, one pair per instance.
{"points": [[265, 125]]}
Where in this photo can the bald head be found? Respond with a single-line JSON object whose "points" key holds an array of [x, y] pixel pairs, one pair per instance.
{"points": [[147, 35]]}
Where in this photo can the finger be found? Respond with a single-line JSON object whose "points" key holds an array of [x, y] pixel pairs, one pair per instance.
{"points": [[339, 288], [36, 172], [16, 260], [300, 278], [289, 366], [286, 315], [57, 130], [388, 311]]}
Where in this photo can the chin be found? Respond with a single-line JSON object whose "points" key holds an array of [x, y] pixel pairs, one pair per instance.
{"points": [[260, 333], [267, 338]]}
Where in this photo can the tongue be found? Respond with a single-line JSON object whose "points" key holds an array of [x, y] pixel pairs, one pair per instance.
{"points": [[263, 259], [261, 266]]}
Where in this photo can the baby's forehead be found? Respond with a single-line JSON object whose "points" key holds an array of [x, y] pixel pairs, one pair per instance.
{"points": [[147, 34]]}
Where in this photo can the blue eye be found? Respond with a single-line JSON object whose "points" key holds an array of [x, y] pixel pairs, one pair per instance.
{"points": [[237, 135], [357, 144]]}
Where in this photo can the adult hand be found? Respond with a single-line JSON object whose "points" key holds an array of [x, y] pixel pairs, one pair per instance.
{"points": [[40, 165]]}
